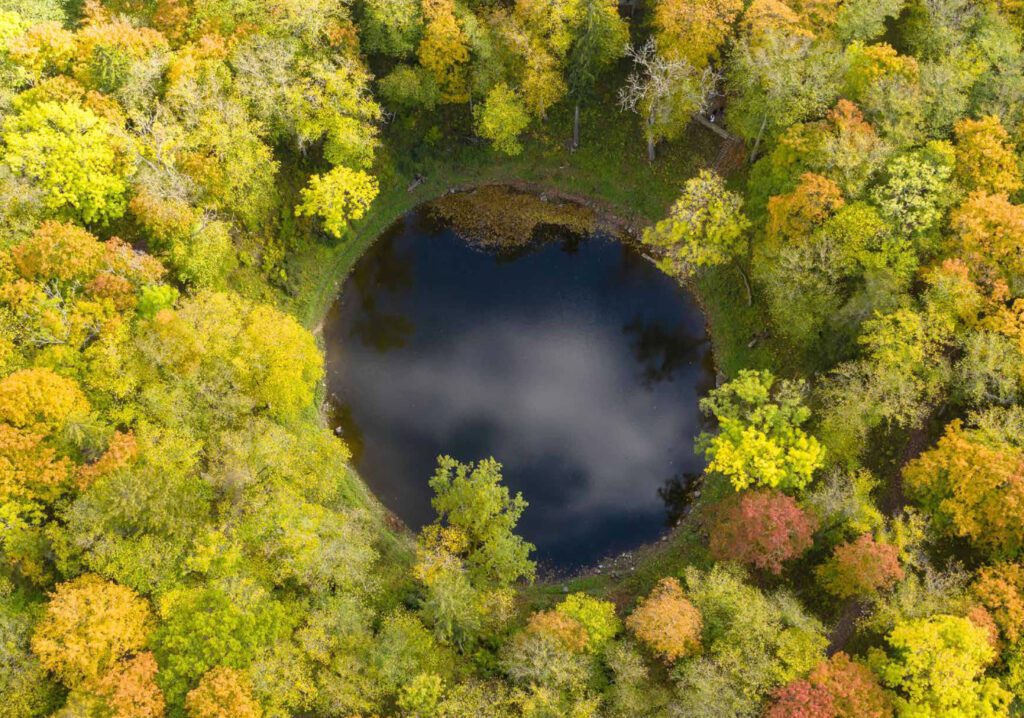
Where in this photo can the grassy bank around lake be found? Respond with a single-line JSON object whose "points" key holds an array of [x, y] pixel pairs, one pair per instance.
{"points": [[609, 174]]}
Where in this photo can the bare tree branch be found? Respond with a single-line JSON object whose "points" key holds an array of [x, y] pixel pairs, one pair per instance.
{"points": [[665, 92]]}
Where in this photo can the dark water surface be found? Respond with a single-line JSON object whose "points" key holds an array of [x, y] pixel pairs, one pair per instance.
{"points": [[575, 363]]}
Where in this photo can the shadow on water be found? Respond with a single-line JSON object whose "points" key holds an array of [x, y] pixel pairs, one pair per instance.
{"points": [[677, 493], [570, 359], [341, 421]]}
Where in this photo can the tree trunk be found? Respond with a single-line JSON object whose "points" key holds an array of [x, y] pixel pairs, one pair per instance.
{"points": [[720, 131], [746, 283], [757, 142], [576, 128], [650, 137]]}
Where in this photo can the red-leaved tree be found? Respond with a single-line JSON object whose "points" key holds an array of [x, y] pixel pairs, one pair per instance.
{"points": [[853, 687], [860, 568], [801, 699], [761, 528], [837, 688]]}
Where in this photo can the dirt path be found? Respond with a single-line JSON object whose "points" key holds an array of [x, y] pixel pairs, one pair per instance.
{"points": [[892, 503], [894, 498], [845, 627]]}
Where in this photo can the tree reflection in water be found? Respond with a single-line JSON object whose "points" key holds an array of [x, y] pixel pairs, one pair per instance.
{"points": [[662, 350], [386, 274], [677, 493]]}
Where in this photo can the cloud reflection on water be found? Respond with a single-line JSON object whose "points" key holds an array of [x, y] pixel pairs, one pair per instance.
{"points": [[585, 388], [557, 390]]}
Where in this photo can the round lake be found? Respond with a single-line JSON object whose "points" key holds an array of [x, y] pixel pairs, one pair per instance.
{"points": [[573, 361]]}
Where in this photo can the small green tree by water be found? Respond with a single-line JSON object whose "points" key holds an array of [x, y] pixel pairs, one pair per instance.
{"points": [[705, 228], [478, 516], [468, 559]]}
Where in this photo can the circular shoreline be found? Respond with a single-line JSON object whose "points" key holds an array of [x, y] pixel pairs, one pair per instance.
{"points": [[615, 565]]}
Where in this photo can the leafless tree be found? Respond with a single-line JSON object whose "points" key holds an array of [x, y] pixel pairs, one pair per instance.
{"points": [[666, 93]]}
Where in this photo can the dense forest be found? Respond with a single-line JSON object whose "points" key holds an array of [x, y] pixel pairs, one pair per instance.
{"points": [[184, 183]]}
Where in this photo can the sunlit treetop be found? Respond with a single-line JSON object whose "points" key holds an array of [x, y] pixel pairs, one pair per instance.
{"points": [[794, 216], [819, 14], [763, 16], [72, 256], [843, 147], [66, 89], [1000, 588], [837, 688], [970, 482], [317, 23], [43, 49], [854, 688], [937, 667], [597, 618], [760, 441], [90, 624], [562, 628], [226, 357], [49, 441], [694, 29], [869, 64], [987, 231], [105, 50], [667, 622], [501, 119], [40, 400], [861, 567], [985, 157], [65, 291], [223, 693], [80, 160], [335, 103], [338, 197], [202, 627], [706, 227]]}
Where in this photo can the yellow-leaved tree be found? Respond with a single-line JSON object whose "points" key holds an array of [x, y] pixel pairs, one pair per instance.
{"points": [[222, 693], [80, 161], [444, 50], [694, 30], [338, 197], [985, 157], [35, 406]]}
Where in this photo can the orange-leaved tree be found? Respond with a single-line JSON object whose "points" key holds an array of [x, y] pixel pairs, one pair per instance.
{"points": [[972, 483], [667, 622], [88, 626], [223, 693], [861, 567]]}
